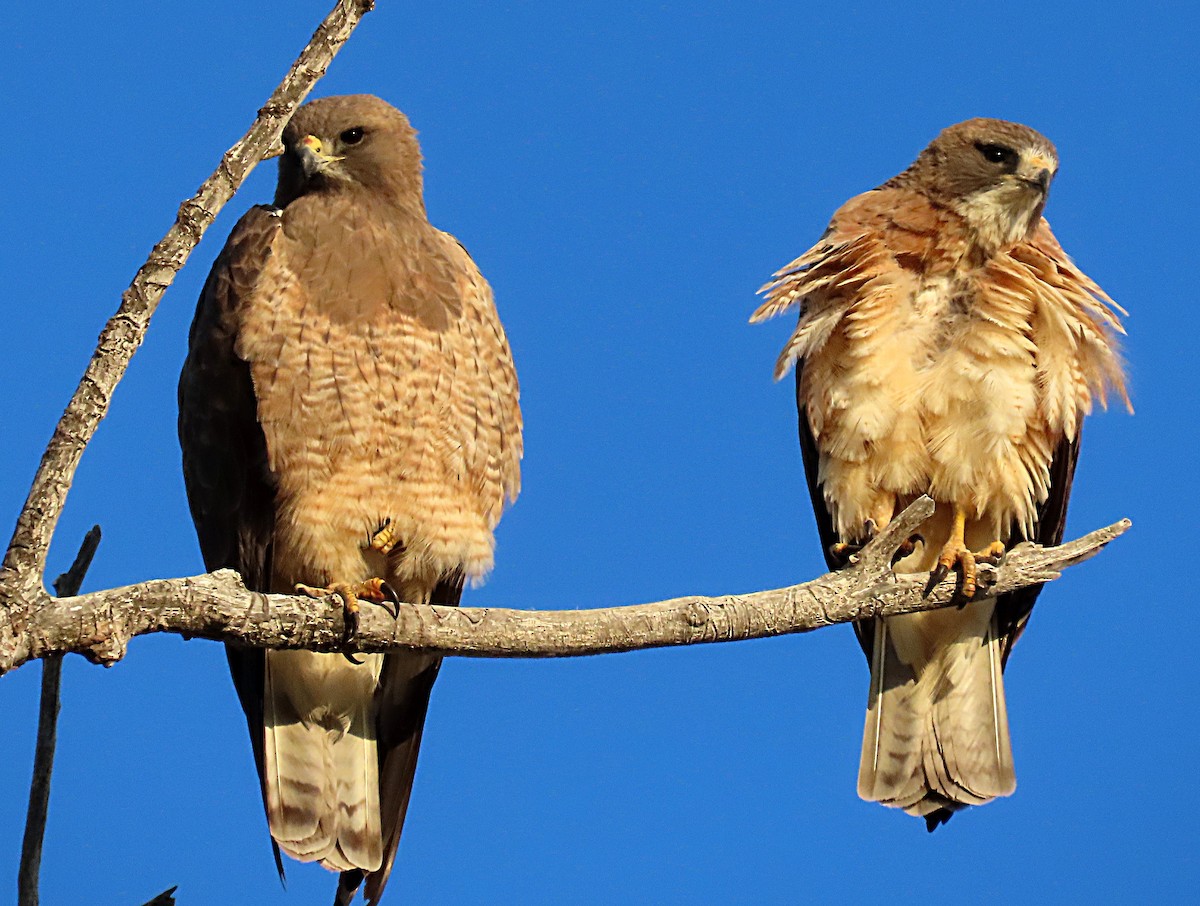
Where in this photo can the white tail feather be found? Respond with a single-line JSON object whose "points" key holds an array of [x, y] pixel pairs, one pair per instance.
{"points": [[321, 766], [936, 732]]}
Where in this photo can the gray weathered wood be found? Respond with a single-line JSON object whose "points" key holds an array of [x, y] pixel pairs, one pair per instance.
{"points": [[217, 606]]}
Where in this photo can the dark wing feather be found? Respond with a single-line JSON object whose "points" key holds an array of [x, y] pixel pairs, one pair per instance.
{"points": [[812, 461], [230, 489], [864, 629], [1013, 609]]}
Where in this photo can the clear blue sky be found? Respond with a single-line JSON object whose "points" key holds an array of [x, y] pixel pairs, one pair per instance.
{"points": [[626, 175]]}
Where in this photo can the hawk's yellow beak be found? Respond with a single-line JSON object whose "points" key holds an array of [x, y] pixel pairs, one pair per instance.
{"points": [[313, 157], [1036, 170]]}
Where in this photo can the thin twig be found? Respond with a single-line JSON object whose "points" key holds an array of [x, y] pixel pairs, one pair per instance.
{"points": [[25, 560], [65, 586], [100, 625]]}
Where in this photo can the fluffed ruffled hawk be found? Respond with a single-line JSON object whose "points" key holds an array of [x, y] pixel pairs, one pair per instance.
{"points": [[946, 346]]}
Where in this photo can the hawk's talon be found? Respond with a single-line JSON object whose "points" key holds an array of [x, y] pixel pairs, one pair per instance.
{"points": [[372, 590], [936, 575], [349, 622], [956, 555], [993, 554], [385, 538], [390, 597], [907, 547], [844, 551], [376, 590]]}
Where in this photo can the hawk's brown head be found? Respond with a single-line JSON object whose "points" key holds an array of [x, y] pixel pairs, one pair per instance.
{"points": [[356, 141], [996, 174]]}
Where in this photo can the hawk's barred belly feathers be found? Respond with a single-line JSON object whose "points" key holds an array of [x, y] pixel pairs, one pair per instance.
{"points": [[347, 381]]}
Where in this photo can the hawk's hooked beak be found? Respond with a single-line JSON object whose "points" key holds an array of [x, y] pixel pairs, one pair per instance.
{"points": [[1036, 171], [313, 159]]}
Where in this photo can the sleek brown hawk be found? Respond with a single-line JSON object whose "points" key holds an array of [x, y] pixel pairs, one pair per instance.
{"points": [[946, 346], [349, 419]]}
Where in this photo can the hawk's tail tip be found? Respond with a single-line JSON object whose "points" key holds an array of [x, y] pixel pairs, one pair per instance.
{"points": [[936, 818]]}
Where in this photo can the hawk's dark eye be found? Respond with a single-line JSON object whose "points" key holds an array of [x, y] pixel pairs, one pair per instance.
{"points": [[352, 136], [996, 154]]}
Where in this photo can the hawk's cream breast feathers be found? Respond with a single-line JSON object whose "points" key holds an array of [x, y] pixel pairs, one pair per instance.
{"points": [[895, 318], [945, 345]]}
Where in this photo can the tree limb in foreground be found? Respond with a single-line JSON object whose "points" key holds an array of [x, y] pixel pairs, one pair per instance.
{"points": [[25, 560], [218, 606]]}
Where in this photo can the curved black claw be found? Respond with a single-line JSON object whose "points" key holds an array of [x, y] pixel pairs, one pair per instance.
{"points": [[935, 578], [351, 595], [939, 572], [349, 634], [390, 597], [390, 602], [349, 624], [907, 547], [844, 551]]}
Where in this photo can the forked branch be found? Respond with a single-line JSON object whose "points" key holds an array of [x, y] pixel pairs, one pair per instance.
{"points": [[218, 606]]}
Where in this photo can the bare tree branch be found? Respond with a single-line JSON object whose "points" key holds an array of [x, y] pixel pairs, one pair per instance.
{"points": [[218, 606], [22, 594], [25, 560], [65, 586]]}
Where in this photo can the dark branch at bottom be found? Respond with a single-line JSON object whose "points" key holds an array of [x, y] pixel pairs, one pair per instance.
{"points": [[28, 875]]}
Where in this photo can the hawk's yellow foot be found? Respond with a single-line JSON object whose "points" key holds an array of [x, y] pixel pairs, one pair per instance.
{"points": [[374, 590], [844, 551], [385, 539], [956, 554]]}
